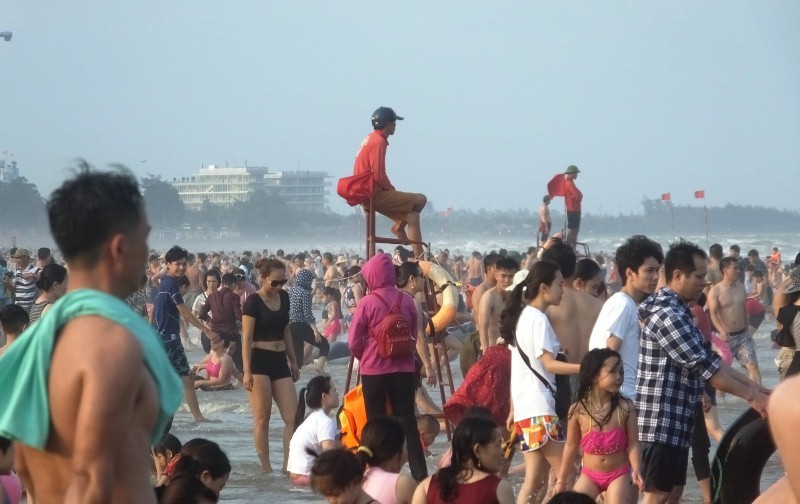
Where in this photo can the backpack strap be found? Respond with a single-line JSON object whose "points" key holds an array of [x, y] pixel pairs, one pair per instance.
{"points": [[381, 298], [385, 304]]}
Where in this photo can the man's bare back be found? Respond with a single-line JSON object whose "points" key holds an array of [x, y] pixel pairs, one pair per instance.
{"points": [[726, 307], [714, 275], [492, 305], [475, 268], [477, 294], [573, 321], [98, 379], [193, 274]]}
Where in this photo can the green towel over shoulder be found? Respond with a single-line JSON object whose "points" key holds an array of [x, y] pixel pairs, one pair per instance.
{"points": [[25, 366]]}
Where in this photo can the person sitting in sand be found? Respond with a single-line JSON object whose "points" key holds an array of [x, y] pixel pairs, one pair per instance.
{"points": [[314, 433], [428, 428], [218, 365]]}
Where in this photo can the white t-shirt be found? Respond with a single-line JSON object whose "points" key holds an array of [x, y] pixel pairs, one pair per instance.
{"points": [[534, 336], [199, 301], [620, 317], [316, 428]]}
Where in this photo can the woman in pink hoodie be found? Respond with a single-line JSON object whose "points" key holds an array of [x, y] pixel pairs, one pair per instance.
{"points": [[382, 378]]}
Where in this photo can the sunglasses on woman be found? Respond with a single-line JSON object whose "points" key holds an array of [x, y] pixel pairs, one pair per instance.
{"points": [[278, 283]]}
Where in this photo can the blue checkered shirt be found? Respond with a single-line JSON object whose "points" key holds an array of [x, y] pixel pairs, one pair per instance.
{"points": [[675, 360]]}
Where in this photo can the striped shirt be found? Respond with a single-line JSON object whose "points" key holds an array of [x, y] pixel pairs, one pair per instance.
{"points": [[675, 361], [25, 288]]}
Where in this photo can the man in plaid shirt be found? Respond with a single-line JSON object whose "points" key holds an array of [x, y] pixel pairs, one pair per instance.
{"points": [[674, 363]]}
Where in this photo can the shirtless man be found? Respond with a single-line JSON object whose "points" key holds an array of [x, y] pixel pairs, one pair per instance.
{"points": [[281, 256], [494, 301], [726, 309], [545, 223], [573, 319], [714, 275], [460, 270], [489, 264], [332, 275], [108, 388], [475, 269], [193, 274]]}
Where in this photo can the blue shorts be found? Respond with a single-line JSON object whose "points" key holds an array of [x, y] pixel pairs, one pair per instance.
{"points": [[177, 357]]}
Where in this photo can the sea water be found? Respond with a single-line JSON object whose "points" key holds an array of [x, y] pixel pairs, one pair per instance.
{"points": [[247, 484]]}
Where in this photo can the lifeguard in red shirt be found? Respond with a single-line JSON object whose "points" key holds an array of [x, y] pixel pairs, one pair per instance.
{"points": [[402, 207], [573, 198]]}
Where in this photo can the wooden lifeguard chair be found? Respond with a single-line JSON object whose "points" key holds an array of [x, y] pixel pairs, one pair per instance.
{"points": [[439, 347]]}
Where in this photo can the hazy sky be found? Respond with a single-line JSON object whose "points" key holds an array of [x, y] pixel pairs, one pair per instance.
{"points": [[645, 97]]}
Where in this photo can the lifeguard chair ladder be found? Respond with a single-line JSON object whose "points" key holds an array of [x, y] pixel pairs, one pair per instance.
{"points": [[439, 346]]}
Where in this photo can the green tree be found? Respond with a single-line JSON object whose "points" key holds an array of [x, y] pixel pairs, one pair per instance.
{"points": [[21, 205], [162, 202]]}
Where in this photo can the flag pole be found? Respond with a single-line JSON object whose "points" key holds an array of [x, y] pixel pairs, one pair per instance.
{"points": [[702, 195], [564, 191], [672, 216]]}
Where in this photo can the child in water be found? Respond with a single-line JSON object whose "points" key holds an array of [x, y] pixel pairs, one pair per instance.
{"points": [[332, 322], [165, 456], [314, 433], [603, 423], [337, 476], [428, 428]]}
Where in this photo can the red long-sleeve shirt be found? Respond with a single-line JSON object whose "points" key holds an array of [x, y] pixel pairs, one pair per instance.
{"points": [[226, 310], [372, 157], [572, 195]]}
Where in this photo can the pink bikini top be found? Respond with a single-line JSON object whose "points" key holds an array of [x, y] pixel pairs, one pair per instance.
{"points": [[213, 369], [605, 442]]}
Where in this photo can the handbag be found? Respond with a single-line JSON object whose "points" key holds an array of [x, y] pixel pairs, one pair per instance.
{"points": [[562, 392], [356, 189], [786, 316]]}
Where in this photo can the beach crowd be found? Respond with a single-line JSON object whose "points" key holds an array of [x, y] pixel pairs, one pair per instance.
{"points": [[642, 341], [597, 374]]}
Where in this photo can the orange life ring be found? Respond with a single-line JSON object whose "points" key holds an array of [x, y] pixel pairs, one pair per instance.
{"points": [[446, 284]]}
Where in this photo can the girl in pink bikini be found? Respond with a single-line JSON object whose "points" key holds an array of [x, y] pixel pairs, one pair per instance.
{"points": [[332, 325], [603, 424], [219, 368]]}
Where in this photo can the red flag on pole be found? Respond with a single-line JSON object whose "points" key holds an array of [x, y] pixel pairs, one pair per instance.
{"points": [[700, 194], [666, 197], [556, 186]]}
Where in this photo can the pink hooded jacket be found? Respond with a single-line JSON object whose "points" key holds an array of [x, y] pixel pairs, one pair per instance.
{"points": [[379, 275]]}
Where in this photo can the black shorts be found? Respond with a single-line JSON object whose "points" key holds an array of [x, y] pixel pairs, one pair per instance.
{"points": [[663, 467], [270, 363], [574, 220], [757, 318]]}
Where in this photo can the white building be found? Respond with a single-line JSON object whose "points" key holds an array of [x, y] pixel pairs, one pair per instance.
{"points": [[8, 171], [224, 186]]}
